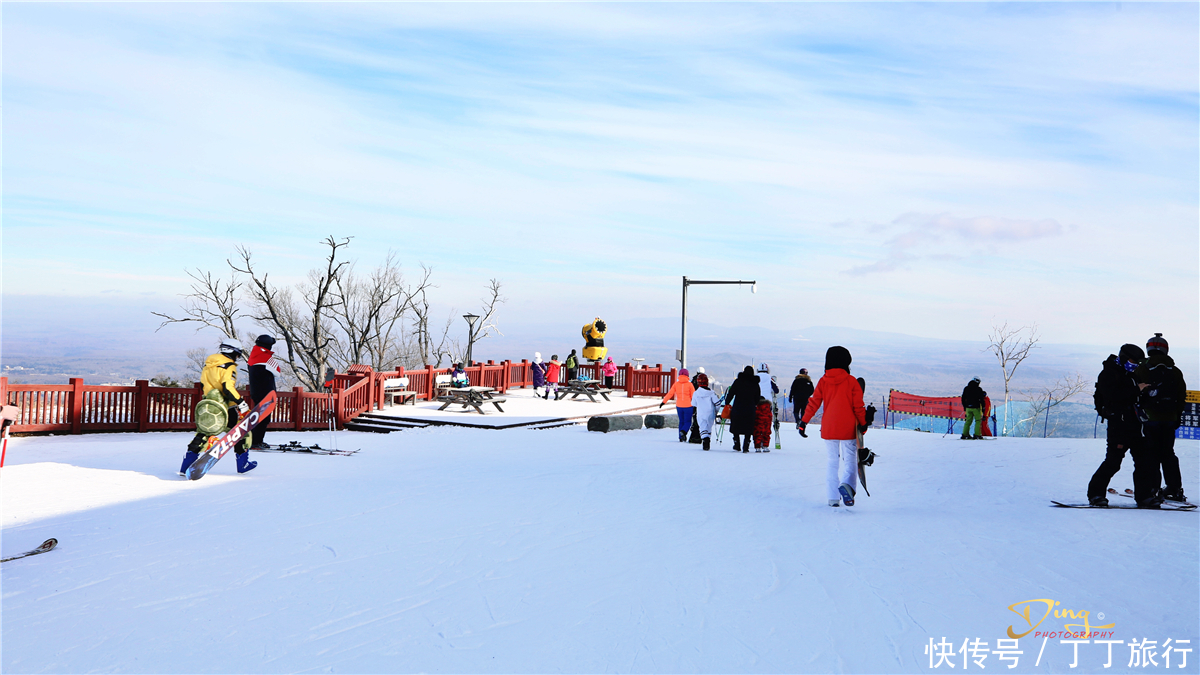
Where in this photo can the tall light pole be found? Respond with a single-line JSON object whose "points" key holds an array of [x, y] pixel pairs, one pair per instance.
{"points": [[691, 282], [471, 319]]}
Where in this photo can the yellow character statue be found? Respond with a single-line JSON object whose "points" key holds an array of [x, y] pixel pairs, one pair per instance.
{"points": [[593, 333]]}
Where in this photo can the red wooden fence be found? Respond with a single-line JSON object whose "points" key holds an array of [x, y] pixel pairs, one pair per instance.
{"points": [[77, 408]]}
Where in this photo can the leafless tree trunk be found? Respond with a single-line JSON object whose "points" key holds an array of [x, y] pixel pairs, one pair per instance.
{"points": [[431, 352], [304, 326], [1011, 347], [212, 304]]}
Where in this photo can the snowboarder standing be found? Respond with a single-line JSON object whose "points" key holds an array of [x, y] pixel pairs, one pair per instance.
{"points": [[1116, 402], [843, 418], [682, 392], [705, 402], [742, 397], [220, 374], [262, 368], [973, 398], [1163, 396], [798, 395]]}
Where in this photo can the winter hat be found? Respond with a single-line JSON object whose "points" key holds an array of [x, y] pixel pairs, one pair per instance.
{"points": [[748, 370], [1156, 344], [1131, 354], [265, 341], [837, 357], [537, 357], [684, 372], [702, 380], [804, 371], [609, 359]]}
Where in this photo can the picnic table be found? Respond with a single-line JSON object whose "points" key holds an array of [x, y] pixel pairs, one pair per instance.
{"points": [[470, 397], [577, 388]]}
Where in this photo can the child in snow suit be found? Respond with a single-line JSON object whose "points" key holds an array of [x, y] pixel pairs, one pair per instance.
{"points": [[262, 367], [705, 402], [765, 418], [844, 417], [553, 371], [769, 390], [682, 392]]}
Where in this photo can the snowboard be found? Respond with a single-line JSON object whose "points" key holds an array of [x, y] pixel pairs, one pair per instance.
{"points": [[1129, 493], [217, 446], [46, 547], [863, 462], [1166, 506]]}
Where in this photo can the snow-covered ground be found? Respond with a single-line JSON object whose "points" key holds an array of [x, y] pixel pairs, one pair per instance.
{"points": [[466, 550]]}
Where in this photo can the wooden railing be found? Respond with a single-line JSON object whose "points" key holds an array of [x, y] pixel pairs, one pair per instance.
{"points": [[77, 408]]}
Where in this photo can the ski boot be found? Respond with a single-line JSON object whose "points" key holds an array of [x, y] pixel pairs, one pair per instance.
{"points": [[834, 503], [243, 462], [977, 438], [847, 493], [1175, 495], [1153, 502], [704, 443], [746, 446], [964, 437], [1101, 502], [188, 459]]}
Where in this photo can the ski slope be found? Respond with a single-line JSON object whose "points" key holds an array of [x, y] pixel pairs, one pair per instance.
{"points": [[464, 550]]}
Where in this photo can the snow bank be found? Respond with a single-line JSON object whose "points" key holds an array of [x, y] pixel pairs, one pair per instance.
{"points": [[463, 550]]}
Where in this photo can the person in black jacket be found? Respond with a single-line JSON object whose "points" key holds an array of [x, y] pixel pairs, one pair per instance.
{"points": [[262, 367], [801, 391], [743, 396], [1116, 402], [1162, 399], [973, 400]]}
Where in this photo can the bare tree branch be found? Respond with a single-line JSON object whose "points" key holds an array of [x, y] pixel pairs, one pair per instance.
{"points": [[212, 304], [1011, 348]]}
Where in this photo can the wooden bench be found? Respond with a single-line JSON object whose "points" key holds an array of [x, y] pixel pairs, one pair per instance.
{"points": [[396, 388]]}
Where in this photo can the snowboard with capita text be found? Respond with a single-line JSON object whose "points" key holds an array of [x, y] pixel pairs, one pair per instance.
{"points": [[1166, 506], [219, 445]]}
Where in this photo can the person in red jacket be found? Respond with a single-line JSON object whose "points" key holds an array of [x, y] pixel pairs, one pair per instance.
{"points": [[844, 415], [552, 374]]}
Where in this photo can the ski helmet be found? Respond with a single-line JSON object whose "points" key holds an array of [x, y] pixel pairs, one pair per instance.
{"points": [[231, 350], [702, 380], [764, 368], [1157, 344], [804, 371], [976, 380], [265, 341], [700, 369]]}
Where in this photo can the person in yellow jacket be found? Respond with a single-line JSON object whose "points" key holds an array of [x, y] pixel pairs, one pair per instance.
{"points": [[220, 374], [682, 392]]}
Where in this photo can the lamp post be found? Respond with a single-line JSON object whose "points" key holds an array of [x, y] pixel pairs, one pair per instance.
{"points": [[471, 319], [692, 282]]}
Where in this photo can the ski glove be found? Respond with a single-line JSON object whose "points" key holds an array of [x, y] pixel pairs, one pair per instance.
{"points": [[803, 426], [243, 408], [862, 428], [661, 404]]}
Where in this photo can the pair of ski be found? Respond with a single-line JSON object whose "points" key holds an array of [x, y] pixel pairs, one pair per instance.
{"points": [[1165, 506], [295, 446], [219, 445], [46, 547]]}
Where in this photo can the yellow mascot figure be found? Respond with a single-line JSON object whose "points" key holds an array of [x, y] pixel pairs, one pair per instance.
{"points": [[593, 333]]}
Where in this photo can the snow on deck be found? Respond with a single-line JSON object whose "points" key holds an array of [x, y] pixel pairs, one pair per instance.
{"points": [[524, 408], [461, 550]]}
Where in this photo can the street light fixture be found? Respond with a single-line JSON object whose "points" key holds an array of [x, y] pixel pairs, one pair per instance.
{"points": [[692, 282], [471, 319]]}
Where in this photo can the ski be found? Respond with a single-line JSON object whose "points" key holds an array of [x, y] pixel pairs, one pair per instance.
{"points": [[295, 446], [1166, 506], [46, 547], [219, 445], [1129, 493]]}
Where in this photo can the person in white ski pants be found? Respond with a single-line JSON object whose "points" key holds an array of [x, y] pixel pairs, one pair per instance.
{"points": [[847, 453], [705, 402]]}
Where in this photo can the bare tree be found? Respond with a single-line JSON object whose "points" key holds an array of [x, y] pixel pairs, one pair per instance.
{"points": [[430, 349], [370, 312], [1045, 400], [212, 304], [1011, 346], [487, 320], [305, 325]]}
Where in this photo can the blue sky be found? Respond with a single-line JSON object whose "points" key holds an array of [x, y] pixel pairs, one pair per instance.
{"points": [[931, 169]]}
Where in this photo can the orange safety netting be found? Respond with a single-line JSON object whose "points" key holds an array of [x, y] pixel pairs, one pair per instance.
{"points": [[946, 407]]}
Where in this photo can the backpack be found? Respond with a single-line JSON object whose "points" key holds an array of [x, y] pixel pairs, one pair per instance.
{"points": [[1161, 396]]}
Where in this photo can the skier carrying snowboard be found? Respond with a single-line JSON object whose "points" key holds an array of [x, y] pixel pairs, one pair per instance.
{"points": [[262, 368], [220, 375], [1116, 402], [843, 418]]}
